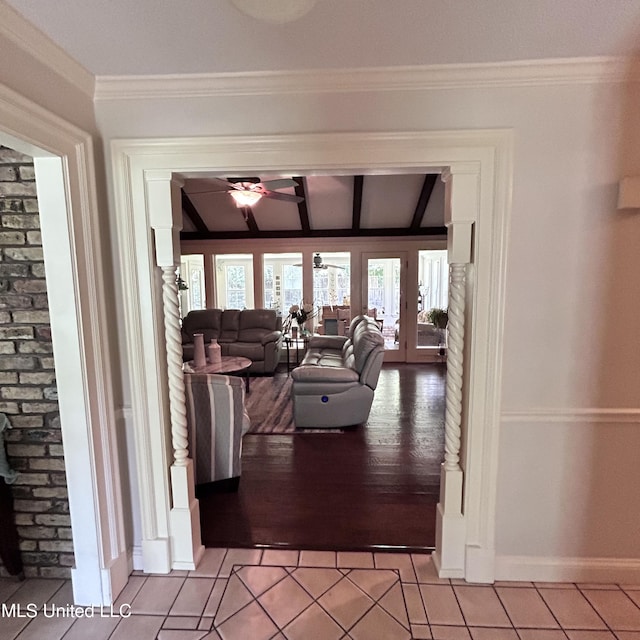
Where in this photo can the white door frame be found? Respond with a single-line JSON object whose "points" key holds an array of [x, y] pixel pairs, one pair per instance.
{"points": [[70, 225], [478, 168]]}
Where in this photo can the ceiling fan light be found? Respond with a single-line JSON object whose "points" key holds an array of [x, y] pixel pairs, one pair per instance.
{"points": [[245, 198]]}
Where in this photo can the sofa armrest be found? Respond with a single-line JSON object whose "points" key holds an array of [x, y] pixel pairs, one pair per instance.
{"points": [[328, 342], [324, 374], [272, 336]]}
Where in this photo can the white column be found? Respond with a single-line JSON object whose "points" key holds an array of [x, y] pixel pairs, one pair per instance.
{"points": [[165, 213], [450, 553]]}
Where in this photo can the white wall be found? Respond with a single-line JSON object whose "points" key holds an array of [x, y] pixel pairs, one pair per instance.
{"points": [[571, 339]]}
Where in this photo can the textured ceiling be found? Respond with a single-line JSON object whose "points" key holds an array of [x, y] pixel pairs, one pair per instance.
{"points": [[129, 37]]}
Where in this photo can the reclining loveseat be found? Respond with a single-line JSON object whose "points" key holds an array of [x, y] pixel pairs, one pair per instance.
{"points": [[335, 382], [251, 333]]}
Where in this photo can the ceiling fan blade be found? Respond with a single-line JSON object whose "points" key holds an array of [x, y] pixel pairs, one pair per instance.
{"points": [[275, 195], [333, 266], [218, 185], [281, 183]]}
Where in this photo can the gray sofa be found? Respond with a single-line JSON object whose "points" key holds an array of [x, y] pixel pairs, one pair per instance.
{"points": [[251, 333], [335, 382]]}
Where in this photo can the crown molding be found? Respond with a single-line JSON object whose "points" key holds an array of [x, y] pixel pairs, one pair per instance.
{"points": [[14, 27], [415, 78]]}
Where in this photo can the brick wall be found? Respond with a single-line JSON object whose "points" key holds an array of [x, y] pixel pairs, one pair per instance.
{"points": [[27, 378]]}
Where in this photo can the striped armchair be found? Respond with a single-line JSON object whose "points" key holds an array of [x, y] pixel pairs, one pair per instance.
{"points": [[216, 421]]}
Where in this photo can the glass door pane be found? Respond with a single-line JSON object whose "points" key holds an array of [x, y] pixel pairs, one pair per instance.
{"points": [[234, 281], [332, 292], [383, 282], [433, 294], [282, 281], [192, 277]]}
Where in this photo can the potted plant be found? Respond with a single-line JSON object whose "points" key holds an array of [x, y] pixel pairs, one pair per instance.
{"points": [[438, 317]]}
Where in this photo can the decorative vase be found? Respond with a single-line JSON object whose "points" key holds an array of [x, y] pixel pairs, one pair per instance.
{"points": [[199, 357], [215, 355]]}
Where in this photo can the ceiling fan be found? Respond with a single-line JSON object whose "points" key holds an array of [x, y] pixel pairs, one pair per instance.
{"points": [[248, 191], [318, 263]]}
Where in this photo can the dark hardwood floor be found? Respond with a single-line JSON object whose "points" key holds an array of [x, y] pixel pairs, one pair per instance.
{"points": [[373, 486]]}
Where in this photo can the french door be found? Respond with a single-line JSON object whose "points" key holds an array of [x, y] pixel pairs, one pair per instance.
{"points": [[384, 283]]}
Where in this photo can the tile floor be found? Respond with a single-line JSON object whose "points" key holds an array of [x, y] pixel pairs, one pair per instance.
{"points": [[250, 594]]}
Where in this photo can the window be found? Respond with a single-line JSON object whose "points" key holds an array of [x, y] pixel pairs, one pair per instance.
{"points": [[332, 282], [192, 274], [282, 280], [234, 281]]}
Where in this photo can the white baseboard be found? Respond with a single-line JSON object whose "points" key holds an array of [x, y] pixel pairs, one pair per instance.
{"points": [[543, 569], [136, 558]]}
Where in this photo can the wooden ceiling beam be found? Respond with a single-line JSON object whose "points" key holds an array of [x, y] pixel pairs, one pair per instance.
{"points": [[192, 213], [303, 209], [316, 233], [423, 200], [358, 185], [251, 221]]}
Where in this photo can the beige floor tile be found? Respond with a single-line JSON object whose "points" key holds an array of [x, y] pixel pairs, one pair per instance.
{"points": [[193, 597], [421, 632], [236, 596], [630, 587], [209, 566], [628, 635], [205, 624], [35, 591], [214, 635], [91, 628], [130, 591], [251, 622], [555, 585], [493, 633], [393, 603], [8, 586], [441, 605], [317, 581], [313, 622], [211, 608], [43, 628], [317, 559], [346, 603], [400, 561], [285, 601], [426, 570], [541, 634], [259, 579], [572, 609], [11, 626], [239, 556], [616, 609], [415, 608], [174, 634], [481, 607], [138, 627], [355, 560], [634, 595], [377, 624], [527, 609], [280, 557], [374, 582], [181, 622], [512, 583], [594, 635], [63, 597], [440, 632], [157, 595], [600, 586]]}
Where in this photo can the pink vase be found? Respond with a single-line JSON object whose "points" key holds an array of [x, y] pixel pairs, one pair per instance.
{"points": [[199, 357], [214, 352]]}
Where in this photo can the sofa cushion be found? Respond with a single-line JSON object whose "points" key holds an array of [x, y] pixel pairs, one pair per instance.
{"points": [[324, 374], [364, 342], [229, 325], [205, 321], [252, 350]]}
